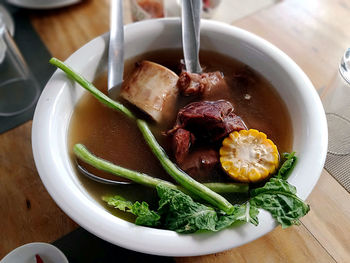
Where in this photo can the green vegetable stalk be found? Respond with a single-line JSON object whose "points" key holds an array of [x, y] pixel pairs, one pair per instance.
{"points": [[83, 154], [181, 177], [92, 89]]}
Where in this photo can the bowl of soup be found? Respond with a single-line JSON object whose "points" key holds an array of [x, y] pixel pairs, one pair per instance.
{"points": [[268, 91]]}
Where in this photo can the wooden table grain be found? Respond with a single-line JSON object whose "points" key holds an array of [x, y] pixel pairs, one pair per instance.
{"points": [[314, 33]]}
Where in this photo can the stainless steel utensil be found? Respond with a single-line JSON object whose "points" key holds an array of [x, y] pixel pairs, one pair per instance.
{"points": [[98, 178], [191, 13], [116, 49], [115, 70]]}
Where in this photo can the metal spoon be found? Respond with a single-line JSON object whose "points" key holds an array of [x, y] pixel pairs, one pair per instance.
{"points": [[191, 13], [116, 49], [115, 71], [98, 178]]}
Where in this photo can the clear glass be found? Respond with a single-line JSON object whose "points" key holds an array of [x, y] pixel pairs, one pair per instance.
{"points": [[336, 102], [18, 89]]}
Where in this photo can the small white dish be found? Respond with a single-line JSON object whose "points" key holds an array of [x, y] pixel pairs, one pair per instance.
{"points": [[26, 254], [42, 4]]}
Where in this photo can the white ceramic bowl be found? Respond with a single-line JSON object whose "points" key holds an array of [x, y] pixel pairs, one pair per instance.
{"points": [[60, 95]]}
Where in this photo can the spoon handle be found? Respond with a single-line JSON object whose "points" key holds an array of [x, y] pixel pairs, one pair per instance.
{"points": [[116, 48], [191, 12]]}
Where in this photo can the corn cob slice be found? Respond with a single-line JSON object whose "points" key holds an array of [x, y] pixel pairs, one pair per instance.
{"points": [[248, 156]]}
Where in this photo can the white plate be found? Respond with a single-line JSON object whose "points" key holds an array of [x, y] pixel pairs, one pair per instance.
{"points": [[42, 4], [26, 254], [56, 105]]}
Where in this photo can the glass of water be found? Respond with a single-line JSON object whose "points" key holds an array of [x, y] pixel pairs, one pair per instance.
{"points": [[19, 90], [336, 102]]}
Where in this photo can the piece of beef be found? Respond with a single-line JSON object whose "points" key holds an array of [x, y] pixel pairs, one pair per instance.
{"points": [[190, 84], [208, 120], [181, 142], [200, 163]]}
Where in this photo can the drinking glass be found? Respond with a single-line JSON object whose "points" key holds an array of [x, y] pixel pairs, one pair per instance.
{"points": [[19, 90], [336, 102]]}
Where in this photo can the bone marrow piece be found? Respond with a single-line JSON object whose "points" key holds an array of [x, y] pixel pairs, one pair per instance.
{"points": [[152, 88]]}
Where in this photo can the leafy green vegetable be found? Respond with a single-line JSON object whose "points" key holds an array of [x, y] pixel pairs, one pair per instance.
{"points": [[287, 166], [178, 212], [279, 198], [118, 202], [184, 215], [243, 213], [145, 216]]}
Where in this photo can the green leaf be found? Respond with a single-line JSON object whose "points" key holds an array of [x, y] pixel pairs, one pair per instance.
{"points": [[242, 213], [247, 213], [118, 202], [145, 216], [279, 198], [287, 166], [184, 215], [178, 212], [274, 184]]}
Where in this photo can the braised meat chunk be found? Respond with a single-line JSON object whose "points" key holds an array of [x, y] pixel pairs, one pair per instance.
{"points": [[200, 163], [197, 84], [205, 122], [209, 120], [182, 141]]}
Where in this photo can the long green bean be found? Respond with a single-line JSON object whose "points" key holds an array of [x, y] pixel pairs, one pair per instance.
{"points": [[181, 177], [85, 155], [92, 89]]}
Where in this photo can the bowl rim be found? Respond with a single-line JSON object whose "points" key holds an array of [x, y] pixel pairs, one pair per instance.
{"points": [[133, 237]]}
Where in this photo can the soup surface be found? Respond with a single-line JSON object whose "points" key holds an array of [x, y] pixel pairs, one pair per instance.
{"points": [[110, 135]]}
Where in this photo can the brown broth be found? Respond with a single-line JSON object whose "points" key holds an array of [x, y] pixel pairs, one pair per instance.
{"points": [[110, 135]]}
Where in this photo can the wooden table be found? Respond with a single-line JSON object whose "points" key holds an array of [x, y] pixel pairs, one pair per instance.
{"points": [[314, 33]]}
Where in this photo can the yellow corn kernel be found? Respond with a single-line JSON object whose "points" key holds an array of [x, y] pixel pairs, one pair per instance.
{"points": [[248, 156]]}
